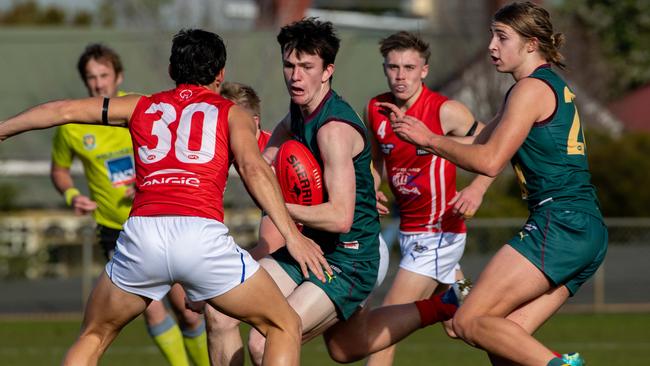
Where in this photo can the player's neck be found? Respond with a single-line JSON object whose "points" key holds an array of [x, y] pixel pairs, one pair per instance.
{"points": [[307, 109]]}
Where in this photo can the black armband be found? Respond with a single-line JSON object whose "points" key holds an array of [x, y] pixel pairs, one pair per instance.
{"points": [[472, 129], [105, 111]]}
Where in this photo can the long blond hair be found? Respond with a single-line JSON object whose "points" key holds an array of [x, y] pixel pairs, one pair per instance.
{"points": [[530, 20]]}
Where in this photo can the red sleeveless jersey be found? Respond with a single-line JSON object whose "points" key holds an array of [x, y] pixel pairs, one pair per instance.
{"points": [[263, 139], [181, 148], [421, 182]]}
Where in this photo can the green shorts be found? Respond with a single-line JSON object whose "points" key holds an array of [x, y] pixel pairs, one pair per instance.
{"points": [[567, 246], [350, 285]]}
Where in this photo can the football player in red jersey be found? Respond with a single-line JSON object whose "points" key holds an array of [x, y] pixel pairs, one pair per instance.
{"points": [[175, 233], [432, 213], [100, 68]]}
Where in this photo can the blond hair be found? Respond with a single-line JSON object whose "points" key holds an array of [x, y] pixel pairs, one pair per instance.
{"points": [[530, 20], [402, 41], [242, 95]]}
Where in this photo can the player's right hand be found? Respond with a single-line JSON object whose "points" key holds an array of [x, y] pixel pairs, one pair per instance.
{"points": [[309, 256], [83, 205]]}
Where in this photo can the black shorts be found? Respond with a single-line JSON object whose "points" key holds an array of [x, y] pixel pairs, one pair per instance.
{"points": [[107, 239]]}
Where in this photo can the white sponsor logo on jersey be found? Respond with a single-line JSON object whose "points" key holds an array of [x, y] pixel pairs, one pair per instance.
{"points": [[171, 177]]}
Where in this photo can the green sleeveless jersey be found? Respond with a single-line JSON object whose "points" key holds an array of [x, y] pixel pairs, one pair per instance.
{"points": [[362, 242], [551, 165]]}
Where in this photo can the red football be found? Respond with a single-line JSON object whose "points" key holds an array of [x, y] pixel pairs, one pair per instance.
{"points": [[299, 174]]}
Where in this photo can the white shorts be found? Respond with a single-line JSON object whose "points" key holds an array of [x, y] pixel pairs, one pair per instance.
{"points": [[155, 252], [382, 270], [384, 258], [434, 255]]}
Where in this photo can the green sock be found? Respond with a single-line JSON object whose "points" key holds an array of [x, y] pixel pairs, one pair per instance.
{"points": [[557, 362], [196, 344], [167, 336]]}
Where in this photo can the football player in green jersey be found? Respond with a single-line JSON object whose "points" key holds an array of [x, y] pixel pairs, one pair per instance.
{"points": [[106, 154], [346, 226], [564, 240]]}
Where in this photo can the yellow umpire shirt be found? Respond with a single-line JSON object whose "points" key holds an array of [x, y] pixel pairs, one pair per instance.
{"points": [[107, 156]]}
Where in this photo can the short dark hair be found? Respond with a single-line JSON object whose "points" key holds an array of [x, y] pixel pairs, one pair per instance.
{"points": [[197, 57], [310, 36], [99, 52], [402, 41], [242, 95]]}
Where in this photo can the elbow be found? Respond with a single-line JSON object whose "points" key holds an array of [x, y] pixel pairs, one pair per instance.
{"points": [[344, 224], [491, 169], [249, 171]]}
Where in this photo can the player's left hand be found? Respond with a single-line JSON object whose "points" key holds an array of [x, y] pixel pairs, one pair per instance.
{"points": [[467, 201]]}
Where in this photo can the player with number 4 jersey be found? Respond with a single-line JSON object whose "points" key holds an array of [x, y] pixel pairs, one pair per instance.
{"points": [[432, 214]]}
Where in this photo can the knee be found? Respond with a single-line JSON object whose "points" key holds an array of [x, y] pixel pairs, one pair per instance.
{"points": [[294, 324], [217, 322], [342, 354], [256, 342], [155, 313], [467, 326], [342, 348], [289, 323]]}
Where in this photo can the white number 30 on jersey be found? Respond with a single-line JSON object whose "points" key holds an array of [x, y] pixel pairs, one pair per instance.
{"points": [[182, 151]]}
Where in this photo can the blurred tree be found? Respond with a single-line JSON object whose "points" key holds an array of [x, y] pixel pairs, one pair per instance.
{"points": [[52, 15], [30, 13], [610, 40], [623, 185], [106, 14], [21, 13], [82, 19]]}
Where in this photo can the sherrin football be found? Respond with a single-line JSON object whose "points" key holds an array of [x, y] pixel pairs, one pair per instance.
{"points": [[299, 174]]}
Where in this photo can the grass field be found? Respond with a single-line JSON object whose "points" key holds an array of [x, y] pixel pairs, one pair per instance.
{"points": [[607, 340]]}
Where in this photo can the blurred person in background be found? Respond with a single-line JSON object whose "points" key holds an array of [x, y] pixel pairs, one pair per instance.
{"points": [[107, 156], [432, 214]]}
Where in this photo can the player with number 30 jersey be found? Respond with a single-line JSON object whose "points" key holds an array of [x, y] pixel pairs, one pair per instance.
{"points": [[181, 152]]}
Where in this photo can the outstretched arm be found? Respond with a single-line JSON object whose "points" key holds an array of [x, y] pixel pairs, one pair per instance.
{"points": [[87, 110], [528, 102]]}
